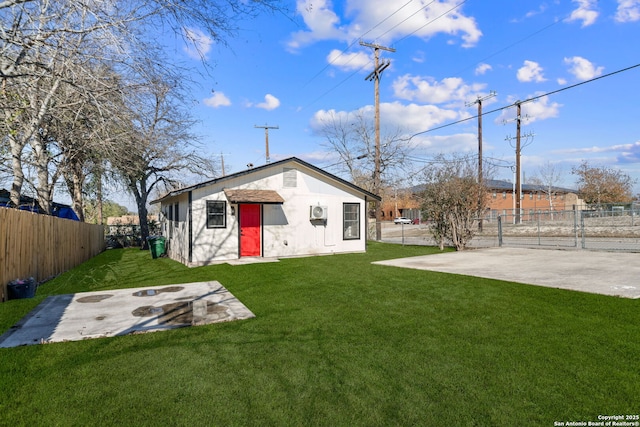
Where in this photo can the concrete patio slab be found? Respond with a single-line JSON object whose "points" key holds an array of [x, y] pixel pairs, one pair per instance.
{"points": [[599, 272], [85, 315]]}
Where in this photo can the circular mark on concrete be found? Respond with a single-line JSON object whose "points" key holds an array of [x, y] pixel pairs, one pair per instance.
{"points": [[94, 298], [181, 313], [154, 292]]}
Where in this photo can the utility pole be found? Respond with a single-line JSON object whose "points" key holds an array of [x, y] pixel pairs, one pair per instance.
{"points": [[518, 181], [375, 76], [222, 163], [266, 137], [518, 170], [480, 177]]}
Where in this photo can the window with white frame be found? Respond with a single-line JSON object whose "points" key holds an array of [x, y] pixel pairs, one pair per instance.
{"points": [[216, 214], [351, 221]]}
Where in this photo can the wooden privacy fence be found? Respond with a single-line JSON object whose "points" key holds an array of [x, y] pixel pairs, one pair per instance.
{"points": [[42, 246]]}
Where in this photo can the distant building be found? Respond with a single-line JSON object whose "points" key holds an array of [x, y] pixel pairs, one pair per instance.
{"points": [[533, 199], [401, 203], [500, 201]]}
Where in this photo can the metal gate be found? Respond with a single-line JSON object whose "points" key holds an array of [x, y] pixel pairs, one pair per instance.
{"points": [[611, 230]]}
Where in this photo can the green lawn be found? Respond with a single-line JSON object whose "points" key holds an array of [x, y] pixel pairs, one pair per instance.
{"points": [[336, 342]]}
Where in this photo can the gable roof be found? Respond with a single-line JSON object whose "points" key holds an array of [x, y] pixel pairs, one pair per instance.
{"points": [[270, 198]]}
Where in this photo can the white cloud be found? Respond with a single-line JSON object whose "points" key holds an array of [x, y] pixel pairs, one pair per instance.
{"points": [[482, 69], [323, 117], [562, 81], [586, 12], [409, 118], [630, 153], [530, 14], [427, 89], [413, 118], [270, 103], [218, 99], [628, 11], [321, 21], [456, 143], [619, 154], [530, 72], [540, 10], [419, 57], [199, 44], [582, 68], [532, 111], [387, 21], [540, 109], [349, 61], [623, 148]]}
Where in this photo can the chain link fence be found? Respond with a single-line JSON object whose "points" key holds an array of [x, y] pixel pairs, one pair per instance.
{"points": [[127, 235], [615, 228]]}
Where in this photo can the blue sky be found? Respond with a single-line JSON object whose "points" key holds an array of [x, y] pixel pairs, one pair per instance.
{"points": [[293, 70]]}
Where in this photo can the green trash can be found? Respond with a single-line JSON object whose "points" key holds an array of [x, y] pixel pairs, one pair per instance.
{"points": [[156, 246]]}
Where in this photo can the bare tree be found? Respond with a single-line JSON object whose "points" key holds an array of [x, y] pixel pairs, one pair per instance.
{"points": [[450, 200], [46, 47], [547, 179], [158, 145], [598, 184], [352, 137], [49, 48]]}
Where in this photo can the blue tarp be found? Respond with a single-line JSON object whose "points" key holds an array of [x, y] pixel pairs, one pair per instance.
{"points": [[65, 212], [29, 204]]}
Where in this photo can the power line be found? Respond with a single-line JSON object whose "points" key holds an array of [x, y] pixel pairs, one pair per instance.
{"points": [[432, 161], [361, 68], [355, 41], [335, 87], [534, 98], [512, 45], [432, 21], [496, 53], [406, 19]]}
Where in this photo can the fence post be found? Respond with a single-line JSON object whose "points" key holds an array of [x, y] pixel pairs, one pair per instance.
{"points": [[575, 227], [582, 229], [499, 231], [539, 243]]}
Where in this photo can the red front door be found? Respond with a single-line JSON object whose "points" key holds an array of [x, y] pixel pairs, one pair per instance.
{"points": [[250, 230]]}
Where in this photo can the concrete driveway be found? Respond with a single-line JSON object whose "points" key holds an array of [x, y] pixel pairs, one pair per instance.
{"points": [[85, 315], [606, 273]]}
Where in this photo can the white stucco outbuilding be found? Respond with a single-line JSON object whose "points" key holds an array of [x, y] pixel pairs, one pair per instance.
{"points": [[283, 209]]}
